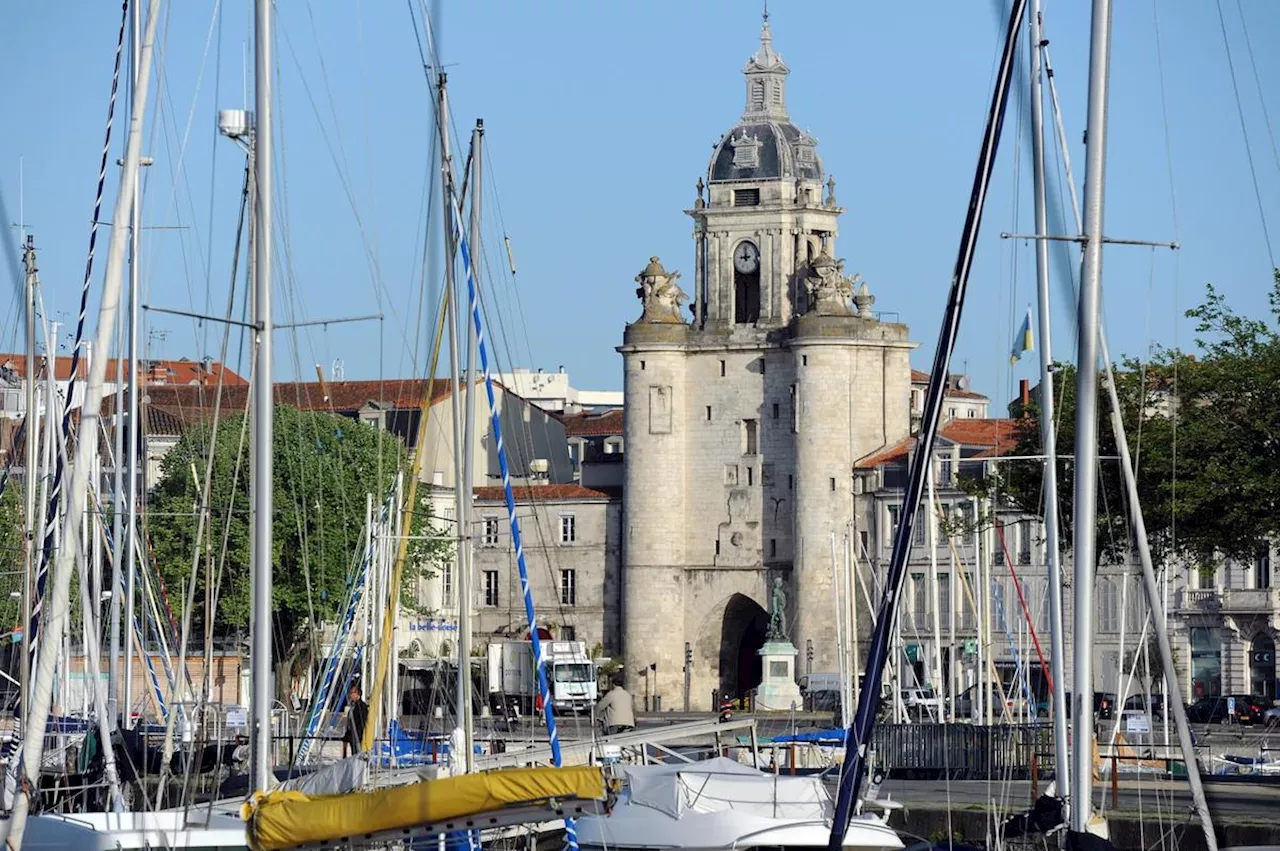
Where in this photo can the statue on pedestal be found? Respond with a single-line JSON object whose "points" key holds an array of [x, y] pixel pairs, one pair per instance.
{"points": [[659, 294], [777, 612]]}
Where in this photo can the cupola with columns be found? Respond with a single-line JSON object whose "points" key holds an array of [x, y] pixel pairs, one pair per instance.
{"points": [[765, 217]]}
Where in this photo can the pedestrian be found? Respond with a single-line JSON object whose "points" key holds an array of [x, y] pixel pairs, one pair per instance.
{"points": [[615, 712], [357, 719]]}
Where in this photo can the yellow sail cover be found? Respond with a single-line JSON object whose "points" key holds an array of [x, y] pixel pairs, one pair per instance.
{"points": [[278, 820]]}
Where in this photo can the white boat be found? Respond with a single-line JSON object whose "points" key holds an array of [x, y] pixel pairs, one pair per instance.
{"points": [[195, 828], [722, 804]]}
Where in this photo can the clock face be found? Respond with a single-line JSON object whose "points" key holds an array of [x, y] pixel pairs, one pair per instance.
{"points": [[746, 258]]}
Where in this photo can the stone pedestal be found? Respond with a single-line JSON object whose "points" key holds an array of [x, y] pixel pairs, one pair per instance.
{"points": [[778, 691]]}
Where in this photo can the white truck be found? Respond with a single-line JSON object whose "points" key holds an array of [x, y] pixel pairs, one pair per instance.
{"points": [[513, 680]]}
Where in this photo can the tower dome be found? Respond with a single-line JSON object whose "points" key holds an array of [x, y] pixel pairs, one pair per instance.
{"points": [[764, 144]]}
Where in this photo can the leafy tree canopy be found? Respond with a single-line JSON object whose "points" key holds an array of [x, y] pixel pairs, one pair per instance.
{"points": [[325, 464], [1204, 432]]}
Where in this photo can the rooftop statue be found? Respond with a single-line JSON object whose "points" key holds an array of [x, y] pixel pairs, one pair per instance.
{"points": [[660, 295]]}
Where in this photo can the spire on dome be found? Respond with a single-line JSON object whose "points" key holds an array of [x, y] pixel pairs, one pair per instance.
{"points": [[766, 78]]}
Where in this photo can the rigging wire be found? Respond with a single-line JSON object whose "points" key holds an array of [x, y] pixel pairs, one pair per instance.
{"points": [[1244, 132]]}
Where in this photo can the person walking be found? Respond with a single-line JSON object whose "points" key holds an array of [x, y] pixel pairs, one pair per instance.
{"points": [[357, 719]]}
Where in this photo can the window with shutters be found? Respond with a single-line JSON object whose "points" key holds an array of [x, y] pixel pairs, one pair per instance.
{"points": [[746, 197], [491, 588], [569, 587], [568, 528]]}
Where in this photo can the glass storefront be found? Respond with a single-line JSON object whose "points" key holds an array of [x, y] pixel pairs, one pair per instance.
{"points": [[1206, 662]]}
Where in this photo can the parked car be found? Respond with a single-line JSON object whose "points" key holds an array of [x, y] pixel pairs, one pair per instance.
{"points": [[1217, 710], [1271, 717]]}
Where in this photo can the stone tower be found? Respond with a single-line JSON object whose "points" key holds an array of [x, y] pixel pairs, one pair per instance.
{"points": [[744, 417]]}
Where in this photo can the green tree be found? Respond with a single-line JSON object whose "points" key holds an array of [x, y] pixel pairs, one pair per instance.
{"points": [[1204, 433], [11, 554], [325, 464]]}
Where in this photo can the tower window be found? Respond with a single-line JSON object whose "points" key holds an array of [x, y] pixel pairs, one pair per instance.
{"points": [[751, 437], [751, 476], [642, 364], [791, 481], [777, 409], [722, 366], [773, 547], [757, 95], [746, 197], [804, 360], [833, 483], [708, 413]]}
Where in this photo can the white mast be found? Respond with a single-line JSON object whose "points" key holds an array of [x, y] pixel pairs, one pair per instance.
{"points": [[30, 442], [469, 450], [42, 694], [262, 514], [1085, 508], [460, 483], [1048, 424], [131, 451]]}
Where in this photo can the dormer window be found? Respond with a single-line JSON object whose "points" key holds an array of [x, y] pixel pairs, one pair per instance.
{"points": [[746, 151]]}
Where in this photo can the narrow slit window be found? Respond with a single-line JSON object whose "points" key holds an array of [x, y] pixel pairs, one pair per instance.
{"points": [[708, 413], [722, 369]]}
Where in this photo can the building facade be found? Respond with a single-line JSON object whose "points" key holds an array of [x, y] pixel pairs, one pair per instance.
{"points": [[744, 416]]}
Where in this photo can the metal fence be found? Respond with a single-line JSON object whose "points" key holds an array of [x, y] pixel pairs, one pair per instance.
{"points": [[964, 751]]}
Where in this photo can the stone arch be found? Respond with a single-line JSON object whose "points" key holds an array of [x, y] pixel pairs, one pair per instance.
{"points": [[730, 633]]}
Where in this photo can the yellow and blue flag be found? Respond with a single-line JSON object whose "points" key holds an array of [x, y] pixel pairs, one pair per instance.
{"points": [[1022, 342]]}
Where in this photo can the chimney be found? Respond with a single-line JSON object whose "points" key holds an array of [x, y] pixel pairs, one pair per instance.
{"points": [[1024, 392]]}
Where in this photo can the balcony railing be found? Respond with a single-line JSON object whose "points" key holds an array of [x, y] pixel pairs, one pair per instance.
{"points": [[1205, 600], [1256, 600]]}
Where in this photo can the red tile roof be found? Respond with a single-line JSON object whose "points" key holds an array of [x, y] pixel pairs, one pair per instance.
{"points": [[994, 437], [169, 372], [592, 425], [987, 433], [886, 454], [541, 493], [193, 404]]}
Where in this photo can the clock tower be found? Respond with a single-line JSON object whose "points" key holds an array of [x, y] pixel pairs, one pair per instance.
{"points": [[765, 213], [746, 410]]}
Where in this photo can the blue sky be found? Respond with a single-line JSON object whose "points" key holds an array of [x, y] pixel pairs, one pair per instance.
{"points": [[600, 118]]}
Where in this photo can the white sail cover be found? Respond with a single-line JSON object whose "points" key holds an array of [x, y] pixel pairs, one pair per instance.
{"points": [[721, 784]]}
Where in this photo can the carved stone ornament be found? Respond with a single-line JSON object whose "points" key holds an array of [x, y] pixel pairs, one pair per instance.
{"points": [[830, 292], [660, 295]]}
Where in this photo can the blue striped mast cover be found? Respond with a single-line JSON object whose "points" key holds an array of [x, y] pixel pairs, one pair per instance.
{"points": [[464, 250], [333, 664], [32, 634]]}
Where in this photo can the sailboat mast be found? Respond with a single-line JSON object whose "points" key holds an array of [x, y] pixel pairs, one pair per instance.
{"points": [[1085, 506], [14, 827], [469, 452], [1048, 423], [461, 483], [260, 547], [30, 431], [131, 451]]}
